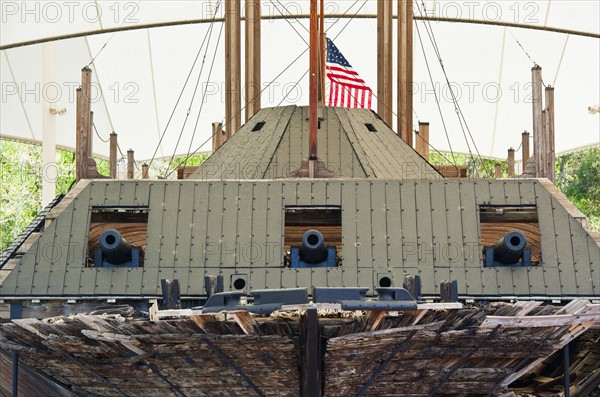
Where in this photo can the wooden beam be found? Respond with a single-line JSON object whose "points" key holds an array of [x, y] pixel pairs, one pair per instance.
{"points": [[549, 135], [245, 321], [130, 164], [511, 163], [232, 66], [405, 70], [525, 148], [536, 100], [314, 84], [422, 140], [113, 155], [384, 61], [253, 58], [219, 137]]}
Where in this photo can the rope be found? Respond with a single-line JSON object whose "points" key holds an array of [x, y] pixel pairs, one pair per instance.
{"points": [[98, 135]]}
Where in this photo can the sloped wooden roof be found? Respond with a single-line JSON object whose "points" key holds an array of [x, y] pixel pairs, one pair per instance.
{"points": [[345, 144]]}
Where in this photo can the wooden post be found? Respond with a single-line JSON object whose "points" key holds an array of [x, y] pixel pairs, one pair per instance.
{"points": [[550, 146], [543, 173], [113, 155], [511, 163], [384, 61], [218, 137], [83, 124], [449, 291], [525, 148], [498, 171], [232, 66], [413, 285], [536, 100], [145, 173], [130, 164], [422, 140], [311, 354], [405, 70], [213, 285], [253, 58], [90, 146], [314, 84], [171, 296]]}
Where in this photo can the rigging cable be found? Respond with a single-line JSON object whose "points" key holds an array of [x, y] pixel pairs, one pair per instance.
{"points": [[183, 89], [461, 119], [436, 96], [189, 110], [522, 48], [289, 23], [204, 95]]}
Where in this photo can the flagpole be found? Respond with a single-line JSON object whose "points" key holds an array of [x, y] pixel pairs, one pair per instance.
{"points": [[314, 86]]}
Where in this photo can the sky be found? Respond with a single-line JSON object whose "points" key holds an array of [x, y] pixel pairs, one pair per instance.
{"points": [[139, 75]]}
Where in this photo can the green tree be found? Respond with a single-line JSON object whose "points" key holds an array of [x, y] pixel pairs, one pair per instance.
{"points": [[578, 176]]}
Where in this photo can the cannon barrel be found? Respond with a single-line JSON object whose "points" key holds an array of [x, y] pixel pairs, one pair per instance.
{"points": [[115, 249], [313, 250], [509, 249]]}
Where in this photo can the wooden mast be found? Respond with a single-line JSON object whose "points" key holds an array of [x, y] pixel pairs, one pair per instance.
{"points": [[232, 67], [384, 60], [536, 100], [405, 70], [253, 59], [314, 85]]}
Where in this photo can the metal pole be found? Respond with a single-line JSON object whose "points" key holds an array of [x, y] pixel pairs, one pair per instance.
{"points": [[314, 84], [567, 370]]}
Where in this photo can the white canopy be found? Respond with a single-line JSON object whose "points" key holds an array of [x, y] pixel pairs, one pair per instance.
{"points": [[139, 74]]}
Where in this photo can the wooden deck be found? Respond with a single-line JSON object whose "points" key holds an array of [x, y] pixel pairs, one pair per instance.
{"points": [[435, 350]]}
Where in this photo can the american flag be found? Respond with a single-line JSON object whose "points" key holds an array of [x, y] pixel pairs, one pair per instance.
{"points": [[346, 88]]}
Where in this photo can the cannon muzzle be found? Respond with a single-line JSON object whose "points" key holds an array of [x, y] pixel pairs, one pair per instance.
{"points": [[115, 249], [510, 248], [313, 248]]}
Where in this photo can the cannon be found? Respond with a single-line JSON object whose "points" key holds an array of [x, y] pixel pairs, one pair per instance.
{"points": [[510, 250], [115, 251], [313, 252]]}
